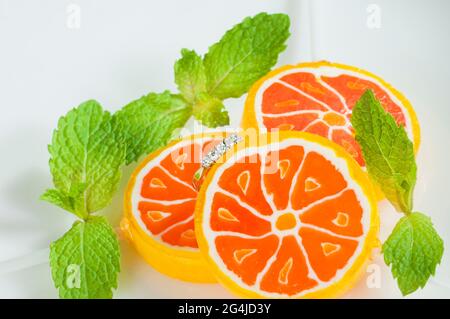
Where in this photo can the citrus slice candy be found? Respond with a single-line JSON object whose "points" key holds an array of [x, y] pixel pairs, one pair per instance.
{"points": [[318, 98], [159, 206], [293, 216]]}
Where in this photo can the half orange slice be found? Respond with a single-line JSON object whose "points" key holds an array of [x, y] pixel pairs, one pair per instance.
{"points": [[159, 206], [292, 215], [318, 98]]}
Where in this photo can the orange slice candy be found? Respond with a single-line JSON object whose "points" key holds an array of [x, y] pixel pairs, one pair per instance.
{"points": [[292, 215], [318, 98], [159, 205]]}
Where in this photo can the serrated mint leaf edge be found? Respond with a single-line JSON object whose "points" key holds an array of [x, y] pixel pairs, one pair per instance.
{"points": [[190, 68], [404, 199], [213, 87], [91, 112], [55, 259], [407, 287], [136, 148]]}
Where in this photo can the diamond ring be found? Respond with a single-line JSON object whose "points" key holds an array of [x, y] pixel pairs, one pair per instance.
{"points": [[212, 156]]}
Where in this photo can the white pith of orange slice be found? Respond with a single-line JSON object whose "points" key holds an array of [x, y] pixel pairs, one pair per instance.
{"points": [[261, 243]]}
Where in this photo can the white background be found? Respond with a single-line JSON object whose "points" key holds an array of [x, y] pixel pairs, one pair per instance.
{"points": [[125, 49]]}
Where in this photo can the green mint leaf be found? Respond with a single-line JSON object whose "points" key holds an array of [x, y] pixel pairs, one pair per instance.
{"points": [[85, 153], [387, 151], [210, 111], [86, 260], [245, 53], [190, 75], [414, 249], [149, 122], [72, 202]]}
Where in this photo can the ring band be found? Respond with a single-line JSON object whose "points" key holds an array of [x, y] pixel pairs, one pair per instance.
{"points": [[212, 156]]}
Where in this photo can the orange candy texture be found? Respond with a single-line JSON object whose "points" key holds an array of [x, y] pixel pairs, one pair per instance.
{"points": [[294, 219], [159, 207], [318, 98]]}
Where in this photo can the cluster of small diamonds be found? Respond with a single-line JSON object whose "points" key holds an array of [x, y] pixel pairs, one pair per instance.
{"points": [[220, 149]]}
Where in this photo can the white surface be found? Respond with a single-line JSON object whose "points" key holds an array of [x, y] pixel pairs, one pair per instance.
{"points": [[124, 49]]}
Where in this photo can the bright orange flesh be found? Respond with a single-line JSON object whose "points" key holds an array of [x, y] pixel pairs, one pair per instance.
{"points": [[325, 110], [325, 180], [159, 205], [286, 220], [294, 98], [168, 182]]}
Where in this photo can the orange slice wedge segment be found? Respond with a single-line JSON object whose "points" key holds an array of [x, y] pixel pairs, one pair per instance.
{"points": [[318, 98], [284, 237], [159, 206]]}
